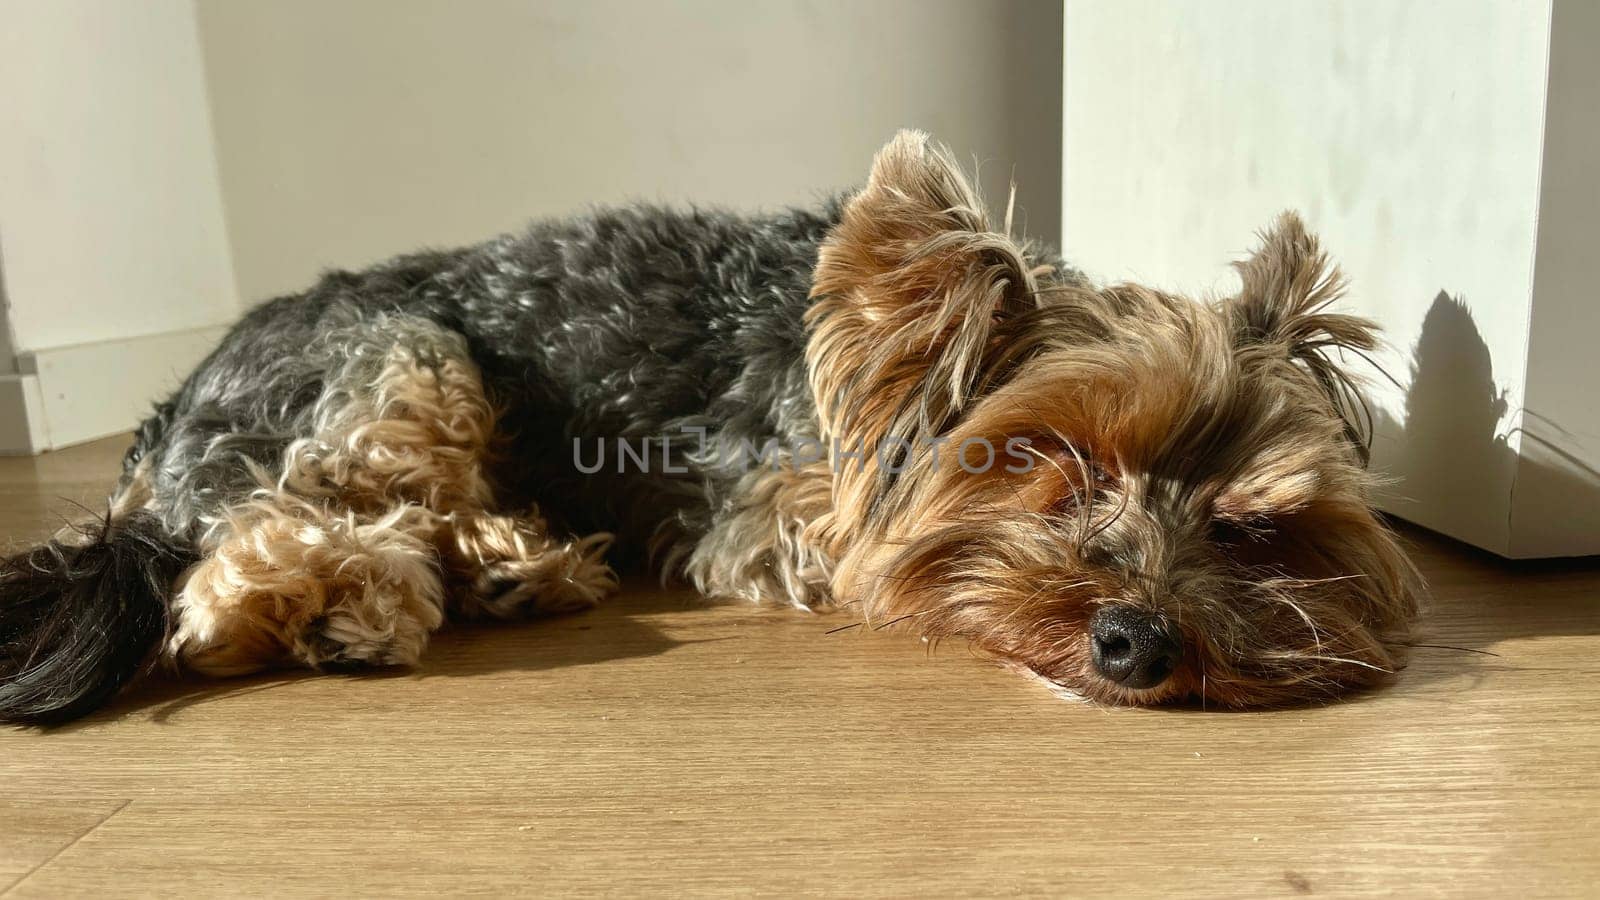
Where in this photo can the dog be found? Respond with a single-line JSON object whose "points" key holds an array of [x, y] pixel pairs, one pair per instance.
{"points": [[882, 404]]}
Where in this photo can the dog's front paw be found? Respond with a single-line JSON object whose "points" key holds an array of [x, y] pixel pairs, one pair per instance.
{"points": [[542, 578], [347, 640], [309, 588]]}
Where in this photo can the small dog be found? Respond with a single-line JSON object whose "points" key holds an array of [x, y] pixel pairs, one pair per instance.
{"points": [[883, 404]]}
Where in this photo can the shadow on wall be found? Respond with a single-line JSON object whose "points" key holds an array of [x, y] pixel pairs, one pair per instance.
{"points": [[1454, 404], [1452, 465], [1452, 459], [1455, 466]]}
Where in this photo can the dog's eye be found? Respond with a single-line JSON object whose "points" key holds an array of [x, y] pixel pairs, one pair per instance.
{"points": [[1077, 464], [1086, 478]]}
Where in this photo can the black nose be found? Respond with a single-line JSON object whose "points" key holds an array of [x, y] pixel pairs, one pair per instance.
{"points": [[1132, 647]]}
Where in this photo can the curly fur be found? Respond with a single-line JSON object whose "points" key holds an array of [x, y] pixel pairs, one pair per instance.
{"points": [[357, 462]]}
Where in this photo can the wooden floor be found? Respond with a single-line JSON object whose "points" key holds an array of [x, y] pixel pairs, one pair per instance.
{"points": [[665, 746]]}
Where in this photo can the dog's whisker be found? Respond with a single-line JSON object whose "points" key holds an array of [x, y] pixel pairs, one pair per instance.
{"points": [[774, 407]]}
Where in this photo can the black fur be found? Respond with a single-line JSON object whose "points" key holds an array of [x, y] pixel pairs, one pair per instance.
{"points": [[78, 622], [627, 323]]}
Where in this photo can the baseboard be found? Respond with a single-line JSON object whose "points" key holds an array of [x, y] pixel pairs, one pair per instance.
{"points": [[68, 395], [21, 416]]}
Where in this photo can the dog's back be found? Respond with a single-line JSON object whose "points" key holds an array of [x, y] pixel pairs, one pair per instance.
{"points": [[619, 326]]}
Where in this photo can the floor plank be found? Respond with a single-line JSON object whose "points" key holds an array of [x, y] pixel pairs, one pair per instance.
{"points": [[36, 831], [662, 744]]}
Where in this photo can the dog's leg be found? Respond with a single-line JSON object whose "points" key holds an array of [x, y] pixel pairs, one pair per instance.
{"points": [[293, 581], [375, 517]]}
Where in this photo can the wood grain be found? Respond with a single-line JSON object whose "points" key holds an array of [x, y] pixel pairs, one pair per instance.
{"points": [[663, 745]]}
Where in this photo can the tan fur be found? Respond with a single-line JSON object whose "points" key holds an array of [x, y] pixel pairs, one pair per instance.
{"points": [[409, 431], [511, 566], [1200, 462], [377, 519], [908, 286], [292, 581]]}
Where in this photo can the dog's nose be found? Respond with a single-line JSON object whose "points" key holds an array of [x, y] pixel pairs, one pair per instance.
{"points": [[1132, 647]]}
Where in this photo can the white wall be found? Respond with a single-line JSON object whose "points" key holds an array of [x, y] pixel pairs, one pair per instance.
{"points": [[110, 210], [1409, 134], [111, 220], [351, 131], [1556, 503]]}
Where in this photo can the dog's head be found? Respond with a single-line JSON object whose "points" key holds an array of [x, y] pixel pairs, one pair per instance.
{"points": [[1140, 497]]}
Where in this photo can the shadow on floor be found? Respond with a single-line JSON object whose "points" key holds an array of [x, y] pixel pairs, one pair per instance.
{"points": [[463, 650], [1479, 600]]}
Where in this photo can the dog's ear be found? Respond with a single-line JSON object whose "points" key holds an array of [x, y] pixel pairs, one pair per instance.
{"points": [[909, 287], [1282, 313]]}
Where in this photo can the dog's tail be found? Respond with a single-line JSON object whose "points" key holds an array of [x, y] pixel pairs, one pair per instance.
{"points": [[79, 618]]}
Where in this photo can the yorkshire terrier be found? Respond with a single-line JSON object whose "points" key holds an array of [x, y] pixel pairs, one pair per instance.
{"points": [[883, 404]]}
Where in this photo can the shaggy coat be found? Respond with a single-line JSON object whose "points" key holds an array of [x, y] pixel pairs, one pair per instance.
{"points": [[464, 433]]}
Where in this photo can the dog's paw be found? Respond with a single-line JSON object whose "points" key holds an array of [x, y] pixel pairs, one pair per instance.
{"points": [[554, 579], [367, 631]]}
